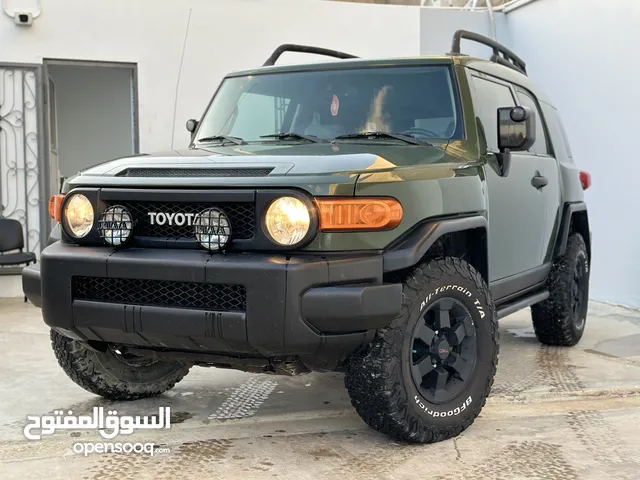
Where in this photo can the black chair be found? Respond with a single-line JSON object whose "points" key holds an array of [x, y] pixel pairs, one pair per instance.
{"points": [[11, 239]]}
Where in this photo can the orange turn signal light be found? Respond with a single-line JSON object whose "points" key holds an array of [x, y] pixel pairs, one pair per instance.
{"points": [[360, 214], [55, 202]]}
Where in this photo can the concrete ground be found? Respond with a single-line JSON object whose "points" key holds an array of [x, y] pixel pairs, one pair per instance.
{"points": [[554, 413]]}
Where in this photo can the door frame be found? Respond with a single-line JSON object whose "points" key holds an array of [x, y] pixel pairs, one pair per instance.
{"points": [[44, 103]]}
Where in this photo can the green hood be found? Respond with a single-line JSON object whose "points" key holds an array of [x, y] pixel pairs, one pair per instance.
{"points": [[318, 168]]}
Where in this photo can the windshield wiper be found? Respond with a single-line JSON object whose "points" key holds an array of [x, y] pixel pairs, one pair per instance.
{"points": [[283, 136], [228, 138], [396, 136]]}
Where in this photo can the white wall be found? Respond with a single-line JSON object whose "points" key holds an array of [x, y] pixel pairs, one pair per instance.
{"points": [[95, 115], [223, 35], [582, 54], [437, 26]]}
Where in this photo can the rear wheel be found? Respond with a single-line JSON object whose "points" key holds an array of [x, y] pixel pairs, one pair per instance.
{"points": [[560, 319], [115, 374], [426, 377]]}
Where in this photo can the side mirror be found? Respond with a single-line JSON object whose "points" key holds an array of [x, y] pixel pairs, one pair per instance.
{"points": [[192, 124], [516, 128], [516, 131]]}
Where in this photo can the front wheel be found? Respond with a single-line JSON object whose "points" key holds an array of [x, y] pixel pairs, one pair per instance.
{"points": [[114, 374], [426, 377]]}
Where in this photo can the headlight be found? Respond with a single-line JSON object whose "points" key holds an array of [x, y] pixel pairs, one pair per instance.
{"points": [[78, 215], [287, 220]]}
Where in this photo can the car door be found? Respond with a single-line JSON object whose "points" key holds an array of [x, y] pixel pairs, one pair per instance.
{"points": [[546, 165], [516, 207]]}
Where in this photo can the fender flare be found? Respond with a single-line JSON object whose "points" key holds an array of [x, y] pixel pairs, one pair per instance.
{"points": [[565, 228], [410, 249]]}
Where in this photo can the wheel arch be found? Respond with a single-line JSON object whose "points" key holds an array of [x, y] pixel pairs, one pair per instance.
{"points": [[463, 237], [575, 219]]}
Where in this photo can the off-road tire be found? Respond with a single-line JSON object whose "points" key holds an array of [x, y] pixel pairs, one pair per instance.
{"points": [[379, 380], [104, 374], [554, 321]]}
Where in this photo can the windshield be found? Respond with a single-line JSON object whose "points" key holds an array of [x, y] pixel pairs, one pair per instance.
{"points": [[418, 101]]}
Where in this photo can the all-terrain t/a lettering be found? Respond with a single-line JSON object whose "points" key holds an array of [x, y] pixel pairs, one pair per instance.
{"points": [[457, 288]]}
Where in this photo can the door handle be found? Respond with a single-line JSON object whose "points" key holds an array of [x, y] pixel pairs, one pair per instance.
{"points": [[539, 181]]}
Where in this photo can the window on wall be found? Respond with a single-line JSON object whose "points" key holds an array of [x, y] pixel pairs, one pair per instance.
{"points": [[489, 97], [527, 100]]}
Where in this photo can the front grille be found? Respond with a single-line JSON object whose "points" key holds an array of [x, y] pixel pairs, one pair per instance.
{"points": [[196, 172], [241, 215], [161, 293]]}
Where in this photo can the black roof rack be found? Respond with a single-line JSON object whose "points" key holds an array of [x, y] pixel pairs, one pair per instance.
{"points": [[290, 47], [508, 58]]}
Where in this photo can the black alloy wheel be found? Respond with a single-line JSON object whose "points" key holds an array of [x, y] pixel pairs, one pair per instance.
{"points": [[444, 350]]}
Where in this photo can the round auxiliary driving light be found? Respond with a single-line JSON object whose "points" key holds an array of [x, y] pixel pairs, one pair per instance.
{"points": [[212, 228], [78, 215], [287, 220], [115, 225]]}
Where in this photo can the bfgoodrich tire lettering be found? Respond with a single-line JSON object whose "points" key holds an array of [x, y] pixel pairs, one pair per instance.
{"points": [[104, 374], [380, 381]]}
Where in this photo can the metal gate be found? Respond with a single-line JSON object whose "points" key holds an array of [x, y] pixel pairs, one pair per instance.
{"points": [[21, 152]]}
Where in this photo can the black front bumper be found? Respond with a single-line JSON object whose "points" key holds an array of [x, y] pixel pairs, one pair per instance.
{"points": [[300, 305]]}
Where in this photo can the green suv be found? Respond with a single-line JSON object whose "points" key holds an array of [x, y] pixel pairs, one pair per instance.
{"points": [[375, 217]]}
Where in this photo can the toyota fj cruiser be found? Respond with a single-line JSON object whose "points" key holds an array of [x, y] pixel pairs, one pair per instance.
{"points": [[375, 217]]}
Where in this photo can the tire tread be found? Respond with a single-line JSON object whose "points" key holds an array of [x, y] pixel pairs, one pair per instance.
{"points": [[79, 363]]}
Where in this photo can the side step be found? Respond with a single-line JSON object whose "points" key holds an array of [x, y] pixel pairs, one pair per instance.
{"points": [[525, 302]]}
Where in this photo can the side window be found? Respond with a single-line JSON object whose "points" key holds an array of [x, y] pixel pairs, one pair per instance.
{"points": [[526, 100], [557, 133], [489, 97], [565, 137]]}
